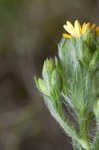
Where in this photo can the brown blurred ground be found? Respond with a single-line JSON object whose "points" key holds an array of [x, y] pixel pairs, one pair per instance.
{"points": [[29, 32]]}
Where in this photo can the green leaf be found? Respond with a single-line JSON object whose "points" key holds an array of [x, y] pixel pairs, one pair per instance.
{"points": [[59, 117], [41, 86]]}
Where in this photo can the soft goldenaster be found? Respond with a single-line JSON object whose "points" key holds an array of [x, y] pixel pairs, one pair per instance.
{"points": [[77, 30]]}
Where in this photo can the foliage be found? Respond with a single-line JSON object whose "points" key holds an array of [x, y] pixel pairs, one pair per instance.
{"points": [[73, 78]]}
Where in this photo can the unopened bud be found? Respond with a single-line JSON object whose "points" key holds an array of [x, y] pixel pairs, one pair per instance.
{"points": [[48, 68], [41, 86], [56, 80]]}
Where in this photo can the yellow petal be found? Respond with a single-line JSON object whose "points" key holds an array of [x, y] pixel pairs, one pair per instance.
{"points": [[88, 25], [97, 31], [92, 27], [66, 35], [83, 28], [69, 27], [77, 29], [77, 26], [64, 26]]}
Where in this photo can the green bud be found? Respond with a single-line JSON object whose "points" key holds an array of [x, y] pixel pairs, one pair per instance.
{"points": [[48, 68], [52, 79], [41, 86], [56, 81]]}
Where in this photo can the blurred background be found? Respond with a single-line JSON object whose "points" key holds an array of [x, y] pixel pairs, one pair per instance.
{"points": [[29, 32]]}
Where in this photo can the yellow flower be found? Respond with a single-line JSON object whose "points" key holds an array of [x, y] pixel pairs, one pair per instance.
{"points": [[77, 30]]}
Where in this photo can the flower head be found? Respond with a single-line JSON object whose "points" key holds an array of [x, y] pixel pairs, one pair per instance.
{"points": [[77, 30]]}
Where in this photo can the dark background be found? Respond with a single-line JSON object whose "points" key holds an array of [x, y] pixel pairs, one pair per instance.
{"points": [[29, 32]]}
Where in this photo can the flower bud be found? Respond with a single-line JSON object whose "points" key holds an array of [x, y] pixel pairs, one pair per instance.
{"points": [[41, 86], [56, 81], [48, 68]]}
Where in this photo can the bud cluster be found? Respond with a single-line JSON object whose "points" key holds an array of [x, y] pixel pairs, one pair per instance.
{"points": [[52, 79]]}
